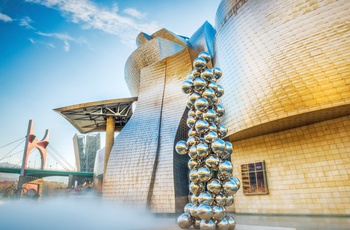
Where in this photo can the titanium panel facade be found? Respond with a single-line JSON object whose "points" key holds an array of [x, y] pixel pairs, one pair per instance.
{"points": [[143, 167], [287, 100]]}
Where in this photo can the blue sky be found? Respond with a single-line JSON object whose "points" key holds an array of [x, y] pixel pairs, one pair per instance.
{"points": [[55, 53]]}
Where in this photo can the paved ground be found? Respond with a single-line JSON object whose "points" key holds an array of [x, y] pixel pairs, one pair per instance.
{"points": [[270, 222]]}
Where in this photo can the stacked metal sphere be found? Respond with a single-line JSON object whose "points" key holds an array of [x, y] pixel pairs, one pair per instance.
{"points": [[212, 184]]}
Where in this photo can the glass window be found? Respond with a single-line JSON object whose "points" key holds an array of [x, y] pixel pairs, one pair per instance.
{"points": [[254, 178]]}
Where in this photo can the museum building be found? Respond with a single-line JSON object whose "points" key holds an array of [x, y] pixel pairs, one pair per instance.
{"points": [[286, 75], [286, 67]]}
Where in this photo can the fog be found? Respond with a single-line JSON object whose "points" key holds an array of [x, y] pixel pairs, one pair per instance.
{"points": [[77, 214]]}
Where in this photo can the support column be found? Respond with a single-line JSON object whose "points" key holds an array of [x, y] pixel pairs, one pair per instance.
{"points": [[110, 129]]}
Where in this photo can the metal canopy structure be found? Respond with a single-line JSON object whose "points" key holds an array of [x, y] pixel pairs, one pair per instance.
{"points": [[91, 116]]}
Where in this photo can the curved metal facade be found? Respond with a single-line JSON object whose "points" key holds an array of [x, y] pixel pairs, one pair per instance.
{"points": [[143, 168], [287, 100], [288, 63]]}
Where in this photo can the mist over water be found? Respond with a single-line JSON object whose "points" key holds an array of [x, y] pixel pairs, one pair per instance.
{"points": [[74, 214]]}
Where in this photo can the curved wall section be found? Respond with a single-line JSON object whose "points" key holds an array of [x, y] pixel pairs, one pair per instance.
{"points": [[287, 63], [142, 168]]}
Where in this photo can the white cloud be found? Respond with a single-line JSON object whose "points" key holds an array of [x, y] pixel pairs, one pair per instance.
{"points": [[66, 46], [134, 13], [5, 18], [96, 17], [63, 37], [25, 22], [31, 40]]}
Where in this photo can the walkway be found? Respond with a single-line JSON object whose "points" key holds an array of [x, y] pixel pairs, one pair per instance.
{"points": [[273, 222]]}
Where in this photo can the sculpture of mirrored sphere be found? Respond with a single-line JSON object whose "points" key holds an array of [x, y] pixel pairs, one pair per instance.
{"points": [[187, 87], [184, 221], [205, 198], [231, 222], [205, 212], [220, 91], [207, 75], [212, 161], [222, 224], [199, 84], [204, 174], [211, 182], [201, 104], [218, 212], [207, 224], [181, 147], [218, 146], [214, 186], [199, 63], [205, 55], [217, 72]]}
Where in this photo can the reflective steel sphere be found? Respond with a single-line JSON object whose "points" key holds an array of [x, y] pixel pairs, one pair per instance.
{"points": [[204, 174], [230, 187], [192, 140], [207, 75], [187, 87], [231, 222], [205, 55], [193, 211], [207, 224], [192, 164], [210, 115], [199, 114], [209, 94], [184, 221], [225, 168], [210, 137], [194, 176], [181, 147], [192, 132], [194, 199], [202, 126], [229, 148], [213, 127], [188, 207], [219, 92], [229, 200], [222, 130], [217, 72], [199, 63], [192, 152], [212, 161], [202, 150], [222, 224], [191, 113], [238, 182], [218, 212], [214, 101], [195, 188], [201, 104], [220, 111], [214, 186], [199, 84], [195, 73], [218, 146], [193, 97], [213, 85], [191, 121], [189, 104], [204, 212], [220, 199], [205, 198]]}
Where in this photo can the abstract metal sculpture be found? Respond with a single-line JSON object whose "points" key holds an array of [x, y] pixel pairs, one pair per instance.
{"points": [[212, 184]]}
